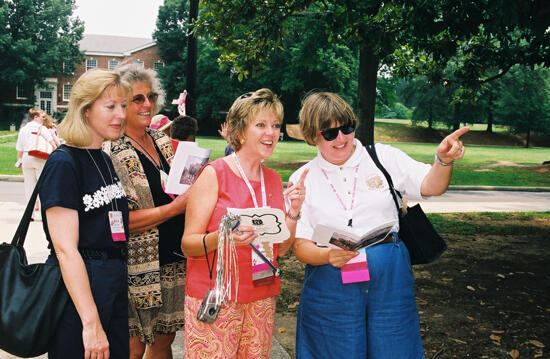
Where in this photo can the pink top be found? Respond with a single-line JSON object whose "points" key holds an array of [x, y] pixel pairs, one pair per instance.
{"points": [[233, 192]]}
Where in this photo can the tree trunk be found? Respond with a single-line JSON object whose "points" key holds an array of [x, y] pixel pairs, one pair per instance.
{"points": [[528, 140], [430, 118], [456, 117], [490, 115], [366, 94], [489, 121], [191, 76]]}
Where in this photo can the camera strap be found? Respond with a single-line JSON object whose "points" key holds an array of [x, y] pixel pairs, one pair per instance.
{"points": [[210, 268]]}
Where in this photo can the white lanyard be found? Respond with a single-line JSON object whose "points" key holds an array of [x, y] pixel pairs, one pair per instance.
{"points": [[350, 210], [114, 205], [243, 175]]}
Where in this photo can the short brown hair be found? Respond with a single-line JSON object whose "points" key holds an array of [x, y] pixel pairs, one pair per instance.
{"points": [[319, 110], [33, 112], [245, 108]]}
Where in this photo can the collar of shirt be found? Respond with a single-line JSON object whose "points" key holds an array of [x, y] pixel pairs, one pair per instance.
{"points": [[353, 161]]}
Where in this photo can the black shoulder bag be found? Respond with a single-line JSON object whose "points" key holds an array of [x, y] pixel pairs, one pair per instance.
{"points": [[32, 296], [415, 229]]}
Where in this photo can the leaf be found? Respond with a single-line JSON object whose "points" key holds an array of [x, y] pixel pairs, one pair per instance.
{"points": [[536, 343], [471, 288], [470, 318], [495, 338], [514, 353], [497, 331], [293, 305], [282, 329], [459, 341]]}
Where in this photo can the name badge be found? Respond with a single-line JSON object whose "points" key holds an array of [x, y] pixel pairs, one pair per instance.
{"points": [[262, 274], [117, 226]]}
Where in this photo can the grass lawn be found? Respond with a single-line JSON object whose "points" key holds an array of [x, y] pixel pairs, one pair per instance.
{"points": [[483, 164]]}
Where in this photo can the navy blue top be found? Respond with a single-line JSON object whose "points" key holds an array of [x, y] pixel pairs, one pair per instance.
{"points": [[87, 192]]}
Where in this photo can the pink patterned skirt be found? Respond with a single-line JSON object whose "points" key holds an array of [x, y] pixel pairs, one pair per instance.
{"points": [[242, 330]]}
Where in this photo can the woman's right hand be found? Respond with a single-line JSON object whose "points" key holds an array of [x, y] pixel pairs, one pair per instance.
{"points": [[96, 345], [244, 235], [338, 257]]}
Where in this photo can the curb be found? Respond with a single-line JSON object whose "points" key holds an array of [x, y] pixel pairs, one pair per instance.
{"points": [[19, 178]]}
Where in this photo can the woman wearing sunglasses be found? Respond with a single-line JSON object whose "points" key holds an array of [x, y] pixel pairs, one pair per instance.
{"points": [[374, 318], [156, 267]]}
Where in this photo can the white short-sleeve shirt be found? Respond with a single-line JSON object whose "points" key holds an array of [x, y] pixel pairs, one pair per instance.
{"points": [[23, 143], [373, 202]]}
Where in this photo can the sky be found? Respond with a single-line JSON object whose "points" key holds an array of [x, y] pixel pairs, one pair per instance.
{"points": [[132, 18]]}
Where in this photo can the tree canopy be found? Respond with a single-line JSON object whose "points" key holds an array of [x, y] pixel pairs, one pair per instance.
{"points": [[482, 39], [38, 39]]}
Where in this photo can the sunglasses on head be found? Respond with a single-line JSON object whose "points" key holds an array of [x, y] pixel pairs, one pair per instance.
{"points": [[140, 99], [330, 134]]}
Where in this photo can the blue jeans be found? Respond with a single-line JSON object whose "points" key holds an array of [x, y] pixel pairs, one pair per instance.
{"points": [[110, 292], [377, 319]]}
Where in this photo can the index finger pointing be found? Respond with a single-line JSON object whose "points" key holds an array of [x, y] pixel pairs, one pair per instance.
{"points": [[460, 132], [303, 176]]}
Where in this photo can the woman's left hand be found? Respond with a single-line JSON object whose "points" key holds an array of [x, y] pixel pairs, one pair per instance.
{"points": [[451, 148], [296, 194]]}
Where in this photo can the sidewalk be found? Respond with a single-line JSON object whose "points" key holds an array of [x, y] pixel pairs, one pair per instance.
{"points": [[36, 248]]}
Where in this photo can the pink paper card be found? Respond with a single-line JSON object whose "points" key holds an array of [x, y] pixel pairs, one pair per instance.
{"points": [[357, 269]]}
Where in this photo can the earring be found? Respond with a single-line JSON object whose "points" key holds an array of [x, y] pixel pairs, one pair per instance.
{"points": [[242, 141]]}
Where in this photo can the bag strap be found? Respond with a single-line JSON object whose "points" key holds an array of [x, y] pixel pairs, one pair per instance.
{"points": [[397, 198], [23, 227]]}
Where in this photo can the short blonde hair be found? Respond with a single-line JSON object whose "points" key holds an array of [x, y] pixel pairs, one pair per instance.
{"points": [[48, 121], [319, 110], [245, 108], [134, 73], [87, 89]]}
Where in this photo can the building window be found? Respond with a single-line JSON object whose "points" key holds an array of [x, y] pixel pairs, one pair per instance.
{"points": [[112, 64], [22, 92], [158, 65], [139, 63], [67, 88], [91, 64]]}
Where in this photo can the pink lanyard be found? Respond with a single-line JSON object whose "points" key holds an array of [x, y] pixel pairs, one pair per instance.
{"points": [[348, 212]]}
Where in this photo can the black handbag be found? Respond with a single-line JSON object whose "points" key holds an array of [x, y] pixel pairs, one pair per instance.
{"points": [[415, 229], [32, 297]]}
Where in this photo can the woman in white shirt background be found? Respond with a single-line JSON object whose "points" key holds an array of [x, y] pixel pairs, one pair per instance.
{"points": [[32, 166], [376, 318]]}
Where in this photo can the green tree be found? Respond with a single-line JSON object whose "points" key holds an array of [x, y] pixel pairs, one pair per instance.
{"points": [[409, 36], [38, 39], [524, 101], [171, 38]]}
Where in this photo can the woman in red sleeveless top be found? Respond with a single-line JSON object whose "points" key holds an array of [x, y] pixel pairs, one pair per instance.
{"points": [[244, 326]]}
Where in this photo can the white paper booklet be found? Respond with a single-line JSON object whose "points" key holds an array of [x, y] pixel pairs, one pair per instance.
{"points": [[269, 223], [337, 238], [185, 166]]}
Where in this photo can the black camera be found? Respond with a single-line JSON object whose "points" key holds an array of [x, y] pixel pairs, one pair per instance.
{"points": [[210, 306]]}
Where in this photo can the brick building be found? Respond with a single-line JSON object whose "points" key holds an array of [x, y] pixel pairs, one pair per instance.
{"points": [[101, 51]]}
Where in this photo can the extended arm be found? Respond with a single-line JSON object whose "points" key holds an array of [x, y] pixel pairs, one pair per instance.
{"points": [[438, 178]]}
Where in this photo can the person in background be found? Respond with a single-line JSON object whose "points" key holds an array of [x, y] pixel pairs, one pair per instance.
{"points": [[223, 132], [156, 266], [161, 123], [184, 128], [30, 165], [80, 192], [367, 319], [51, 126], [244, 326]]}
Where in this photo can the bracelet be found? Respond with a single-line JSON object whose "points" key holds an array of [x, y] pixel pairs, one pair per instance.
{"points": [[444, 164], [294, 218]]}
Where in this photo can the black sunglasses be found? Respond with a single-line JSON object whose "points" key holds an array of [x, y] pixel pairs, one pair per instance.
{"points": [[140, 99], [330, 134]]}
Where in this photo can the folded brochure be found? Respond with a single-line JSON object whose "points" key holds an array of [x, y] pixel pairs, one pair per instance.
{"points": [[337, 238]]}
